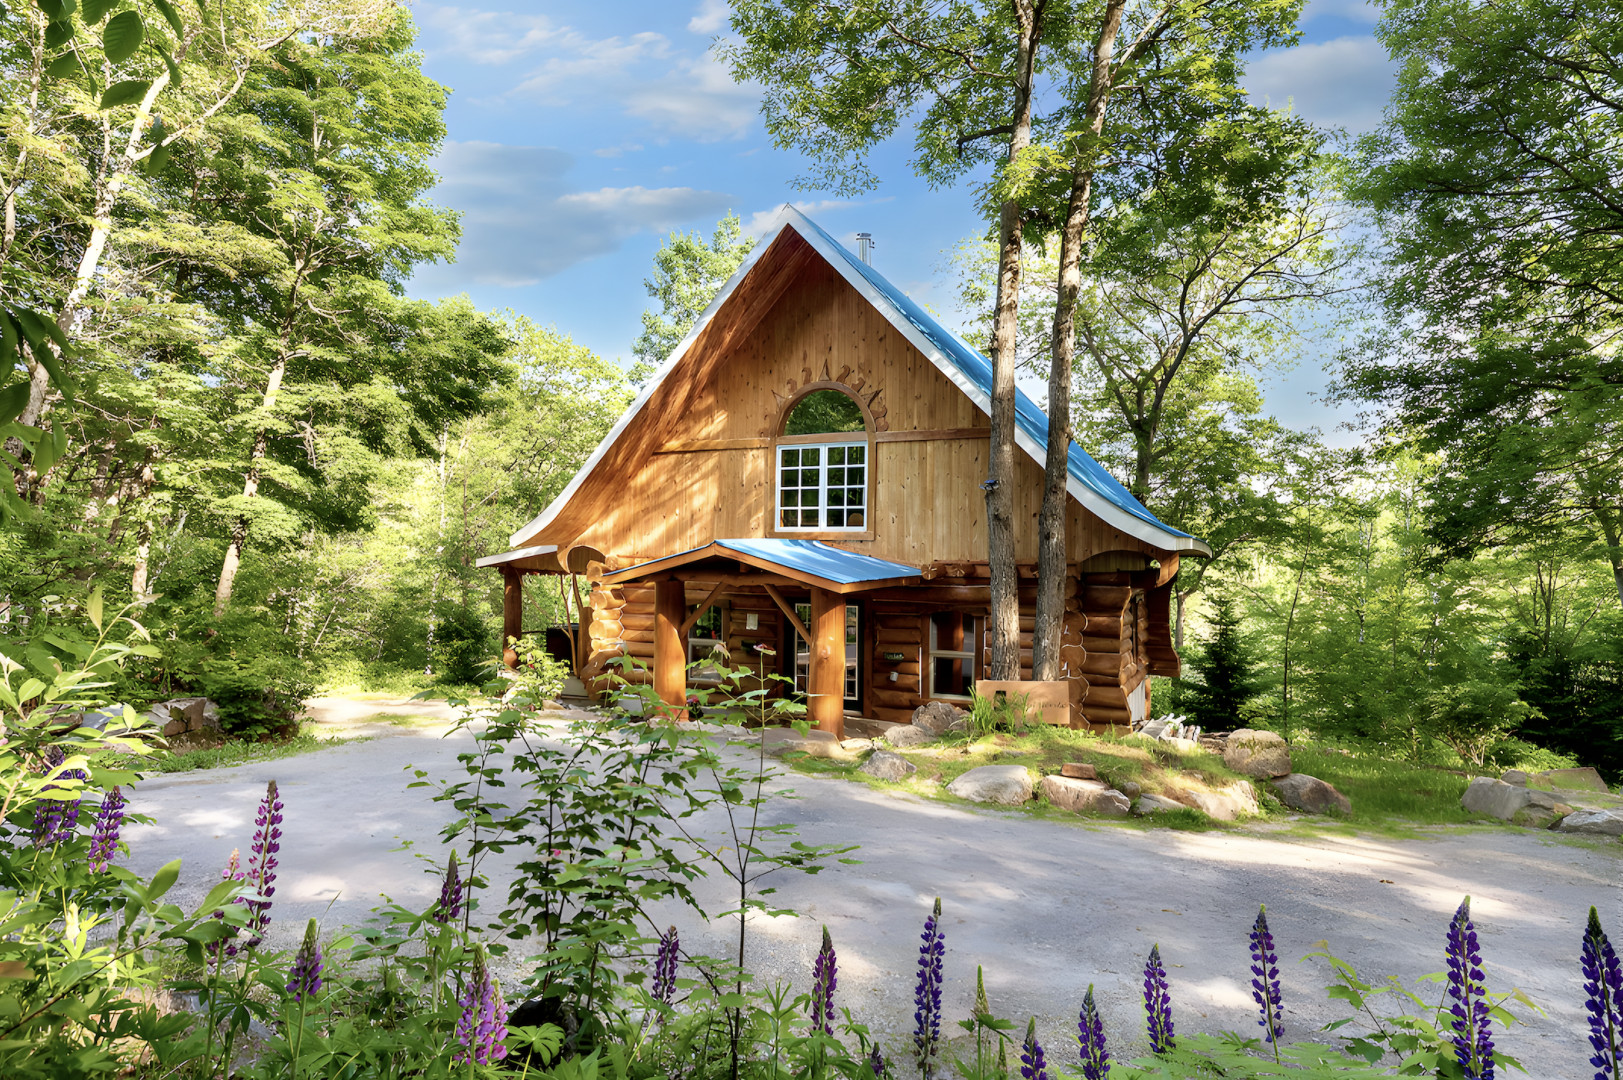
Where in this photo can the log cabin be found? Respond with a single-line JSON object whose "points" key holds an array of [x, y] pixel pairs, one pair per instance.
{"points": [[804, 474]]}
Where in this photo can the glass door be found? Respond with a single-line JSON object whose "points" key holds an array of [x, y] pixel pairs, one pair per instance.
{"points": [[853, 639]]}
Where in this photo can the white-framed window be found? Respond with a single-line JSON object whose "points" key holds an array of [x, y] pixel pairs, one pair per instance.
{"points": [[954, 640], [708, 631], [823, 486]]}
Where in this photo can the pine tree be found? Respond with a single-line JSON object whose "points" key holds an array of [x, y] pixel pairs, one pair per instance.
{"points": [[1228, 676]]}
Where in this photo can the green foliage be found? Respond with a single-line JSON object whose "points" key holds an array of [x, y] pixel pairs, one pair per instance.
{"points": [[824, 411], [688, 272], [464, 645], [1220, 700], [539, 677]]}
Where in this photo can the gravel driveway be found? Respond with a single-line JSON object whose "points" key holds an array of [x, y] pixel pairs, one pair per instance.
{"points": [[1046, 906]]}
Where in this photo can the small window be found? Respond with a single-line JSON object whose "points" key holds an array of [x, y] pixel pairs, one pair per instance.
{"points": [[823, 486], [954, 641], [709, 631], [824, 412]]}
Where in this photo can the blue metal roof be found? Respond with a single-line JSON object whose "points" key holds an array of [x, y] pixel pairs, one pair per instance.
{"points": [[978, 370], [821, 560]]}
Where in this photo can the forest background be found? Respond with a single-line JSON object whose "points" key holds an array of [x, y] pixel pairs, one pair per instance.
{"points": [[290, 468]]}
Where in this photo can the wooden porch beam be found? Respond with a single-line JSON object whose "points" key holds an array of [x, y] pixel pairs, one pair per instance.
{"points": [[670, 653], [789, 612], [825, 682], [512, 613], [704, 606]]}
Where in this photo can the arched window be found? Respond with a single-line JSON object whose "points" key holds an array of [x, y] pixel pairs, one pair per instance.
{"points": [[822, 464]]}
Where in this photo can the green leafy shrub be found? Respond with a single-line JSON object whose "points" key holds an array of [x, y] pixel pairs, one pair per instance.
{"points": [[464, 646]]}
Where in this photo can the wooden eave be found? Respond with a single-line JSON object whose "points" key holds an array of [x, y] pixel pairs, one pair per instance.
{"points": [[714, 559]]}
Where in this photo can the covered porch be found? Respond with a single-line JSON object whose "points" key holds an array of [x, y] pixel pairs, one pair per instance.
{"points": [[809, 585], [572, 563]]}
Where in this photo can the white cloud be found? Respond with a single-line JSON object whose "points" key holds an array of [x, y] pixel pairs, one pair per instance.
{"points": [[1342, 83], [485, 37], [697, 99], [757, 223], [711, 16], [617, 151], [586, 65], [521, 223]]}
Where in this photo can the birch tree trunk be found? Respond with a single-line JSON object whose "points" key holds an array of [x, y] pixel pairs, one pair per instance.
{"points": [[250, 489], [1004, 625], [1051, 553]]}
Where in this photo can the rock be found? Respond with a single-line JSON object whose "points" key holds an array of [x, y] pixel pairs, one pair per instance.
{"points": [[1183, 746], [1311, 795], [1228, 804], [888, 765], [1577, 779], [1260, 754], [1495, 798], [1514, 776], [817, 744], [1009, 785], [1079, 770], [856, 745], [1131, 789], [1084, 796], [1154, 804], [1593, 823], [938, 718], [903, 736], [1154, 729]]}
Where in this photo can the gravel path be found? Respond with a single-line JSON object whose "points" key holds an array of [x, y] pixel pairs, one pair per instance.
{"points": [[1046, 906]]}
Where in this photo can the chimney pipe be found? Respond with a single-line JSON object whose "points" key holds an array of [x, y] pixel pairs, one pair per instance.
{"points": [[865, 246]]}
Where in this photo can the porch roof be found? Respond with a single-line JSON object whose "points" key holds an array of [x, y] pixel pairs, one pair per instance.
{"points": [[810, 562], [545, 559]]}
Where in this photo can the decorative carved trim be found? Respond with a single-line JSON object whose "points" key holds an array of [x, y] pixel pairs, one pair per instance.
{"points": [[845, 380]]}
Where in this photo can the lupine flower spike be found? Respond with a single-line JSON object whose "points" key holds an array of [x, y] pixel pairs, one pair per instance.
{"points": [[483, 1024], [1603, 987], [1157, 1002], [1095, 1062], [1032, 1065], [927, 995], [1468, 998], [876, 1063], [104, 841], [1265, 978], [56, 819], [665, 971], [449, 908], [824, 979], [232, 872], [304, 977], [262, 864]]}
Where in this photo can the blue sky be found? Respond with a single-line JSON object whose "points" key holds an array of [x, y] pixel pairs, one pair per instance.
{"points": [[580, 134]]}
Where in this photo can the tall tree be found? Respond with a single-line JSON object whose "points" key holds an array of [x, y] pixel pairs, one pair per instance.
{"points": [[1498, 181], [688, 272]]}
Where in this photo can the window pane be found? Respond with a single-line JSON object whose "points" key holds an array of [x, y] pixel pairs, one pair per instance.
{"points": [[836, 455], [836, 497], [836, 477], [853, 496], [810, 455], [949, 675], [856, 455], [790, 519]]}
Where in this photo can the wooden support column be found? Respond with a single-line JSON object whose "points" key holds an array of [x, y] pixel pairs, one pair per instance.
{"points": [[512, 613], [825, 683], [670, 650]]}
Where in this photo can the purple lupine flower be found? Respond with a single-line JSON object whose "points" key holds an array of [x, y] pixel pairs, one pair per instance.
{"points": [[824, 979], [483, 1024], [1603, 987], [665, 970], [1157, 1002], [261, 873], [227, 945], [876, 1063], [1473, 1046], [304, 977], [927, 995], [1265, 977], [1032, 1065], [104, 840], [452, 890], [56, 819], [1095, 1061]]}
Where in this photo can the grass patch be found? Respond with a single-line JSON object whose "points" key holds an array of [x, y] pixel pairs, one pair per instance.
{"points": [[241, 752], [1383, 790]]}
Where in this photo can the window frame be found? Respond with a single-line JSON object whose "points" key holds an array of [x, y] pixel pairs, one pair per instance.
{"points": [[864, 438], [974, 654]]}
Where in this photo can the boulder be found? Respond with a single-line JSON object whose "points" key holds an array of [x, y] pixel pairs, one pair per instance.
{"points": [[903, 736], [1154, 804], [1593, 823], [888, 765], [938, 718], [856, 746], [1311, 795], [1514, 776], [1131, 789], [1084, 796], [1495, 798], [1079, 770], [817, 744], [1009, 785], [1260, 754], [1228, 804], [1575, 779]]}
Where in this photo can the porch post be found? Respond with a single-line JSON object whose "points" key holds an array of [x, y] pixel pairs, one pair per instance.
{"points": [[512, 612], [670, 652], [825, 683]]}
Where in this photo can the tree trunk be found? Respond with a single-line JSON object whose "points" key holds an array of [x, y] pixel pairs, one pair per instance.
{"points": [[1614, 542], [1004, 625], [250, 489], [1051, 560]]}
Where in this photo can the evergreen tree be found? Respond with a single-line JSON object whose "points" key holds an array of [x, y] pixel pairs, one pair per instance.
{"points": [[1228, 676]]}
